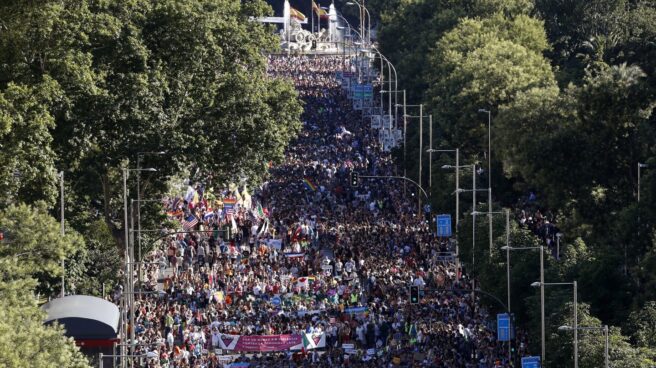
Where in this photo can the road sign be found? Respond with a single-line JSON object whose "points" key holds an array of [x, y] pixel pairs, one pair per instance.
{"points": [[503, 327], [444, 226], [531, 362]]}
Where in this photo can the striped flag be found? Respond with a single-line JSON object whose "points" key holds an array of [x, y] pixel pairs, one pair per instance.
{"points": [[229, 205], [189, 222], [260, 210], [296, 14], [309, 184], [264, 226]]}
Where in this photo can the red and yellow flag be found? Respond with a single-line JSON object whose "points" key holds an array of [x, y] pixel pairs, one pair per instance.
{"points": [[296, 14], [321, 13]]}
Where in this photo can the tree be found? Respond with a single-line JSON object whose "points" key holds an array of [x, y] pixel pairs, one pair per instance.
{"points": [[410, 29], [26, 155], [24, 340], [591, 343], [188, 79], [33, 237], [484, 63], [643, 325]]}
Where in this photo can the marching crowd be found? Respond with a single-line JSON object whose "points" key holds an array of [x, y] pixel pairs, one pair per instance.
{"points": [[308, 254]]}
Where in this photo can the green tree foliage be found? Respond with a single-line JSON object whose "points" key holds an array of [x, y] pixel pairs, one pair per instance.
{"points": [[576, 143], [483, 63], [97, 266], [584, 32], [30, 256], [643, 325], [592, 342], [412, 28], [33, 237], [24, 340], [185, 78], [26, 155]]}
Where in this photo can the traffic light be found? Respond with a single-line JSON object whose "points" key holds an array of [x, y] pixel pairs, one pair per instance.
{"points": [[355, 179], [414, 294]]}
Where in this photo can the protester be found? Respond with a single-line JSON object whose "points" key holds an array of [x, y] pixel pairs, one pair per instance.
{"points": [[308, 254]]}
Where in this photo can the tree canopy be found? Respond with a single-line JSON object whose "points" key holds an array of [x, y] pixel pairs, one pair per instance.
{"points": [[570, 89], [90, 87]]}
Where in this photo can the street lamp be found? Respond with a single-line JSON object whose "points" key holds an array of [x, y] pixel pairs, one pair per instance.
{"points": [[390, 68], [474, 212], [507, 249], [128, 254], [364, 15], [61, 205], [640, 166], [344, 37], [540, 284], [421, 136], [138, 231], [589, 328], [457, 167], [489, 166], [139, 157]]}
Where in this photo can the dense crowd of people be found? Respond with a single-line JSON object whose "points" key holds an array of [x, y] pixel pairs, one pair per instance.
{"points": [[310, 254], [540, 221]]}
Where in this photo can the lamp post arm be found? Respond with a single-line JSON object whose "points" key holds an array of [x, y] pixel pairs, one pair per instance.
{"points": [[397, 177]]}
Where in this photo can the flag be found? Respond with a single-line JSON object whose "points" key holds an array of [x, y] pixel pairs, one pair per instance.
{"points": [[174, 213], [264, 226], [191, 193], [309, 184], [260, 211], [189, 222], [229, 205], [296, 14], [247, 201], [234, 224], [321, 13], [294, 255]]}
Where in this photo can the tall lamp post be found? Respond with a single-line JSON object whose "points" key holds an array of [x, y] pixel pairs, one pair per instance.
{"points": [[365, 21], [140, 156], [61, 202], [457, 167], [640, 166], [473, 190], [129, 255], [138, 203], [586, 328], [421, 135], [541, 285], [489, 167], [506, 212]]}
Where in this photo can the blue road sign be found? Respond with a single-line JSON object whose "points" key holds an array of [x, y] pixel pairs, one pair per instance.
{"points": [[444, 226], [531, 362], [503, 327]]}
